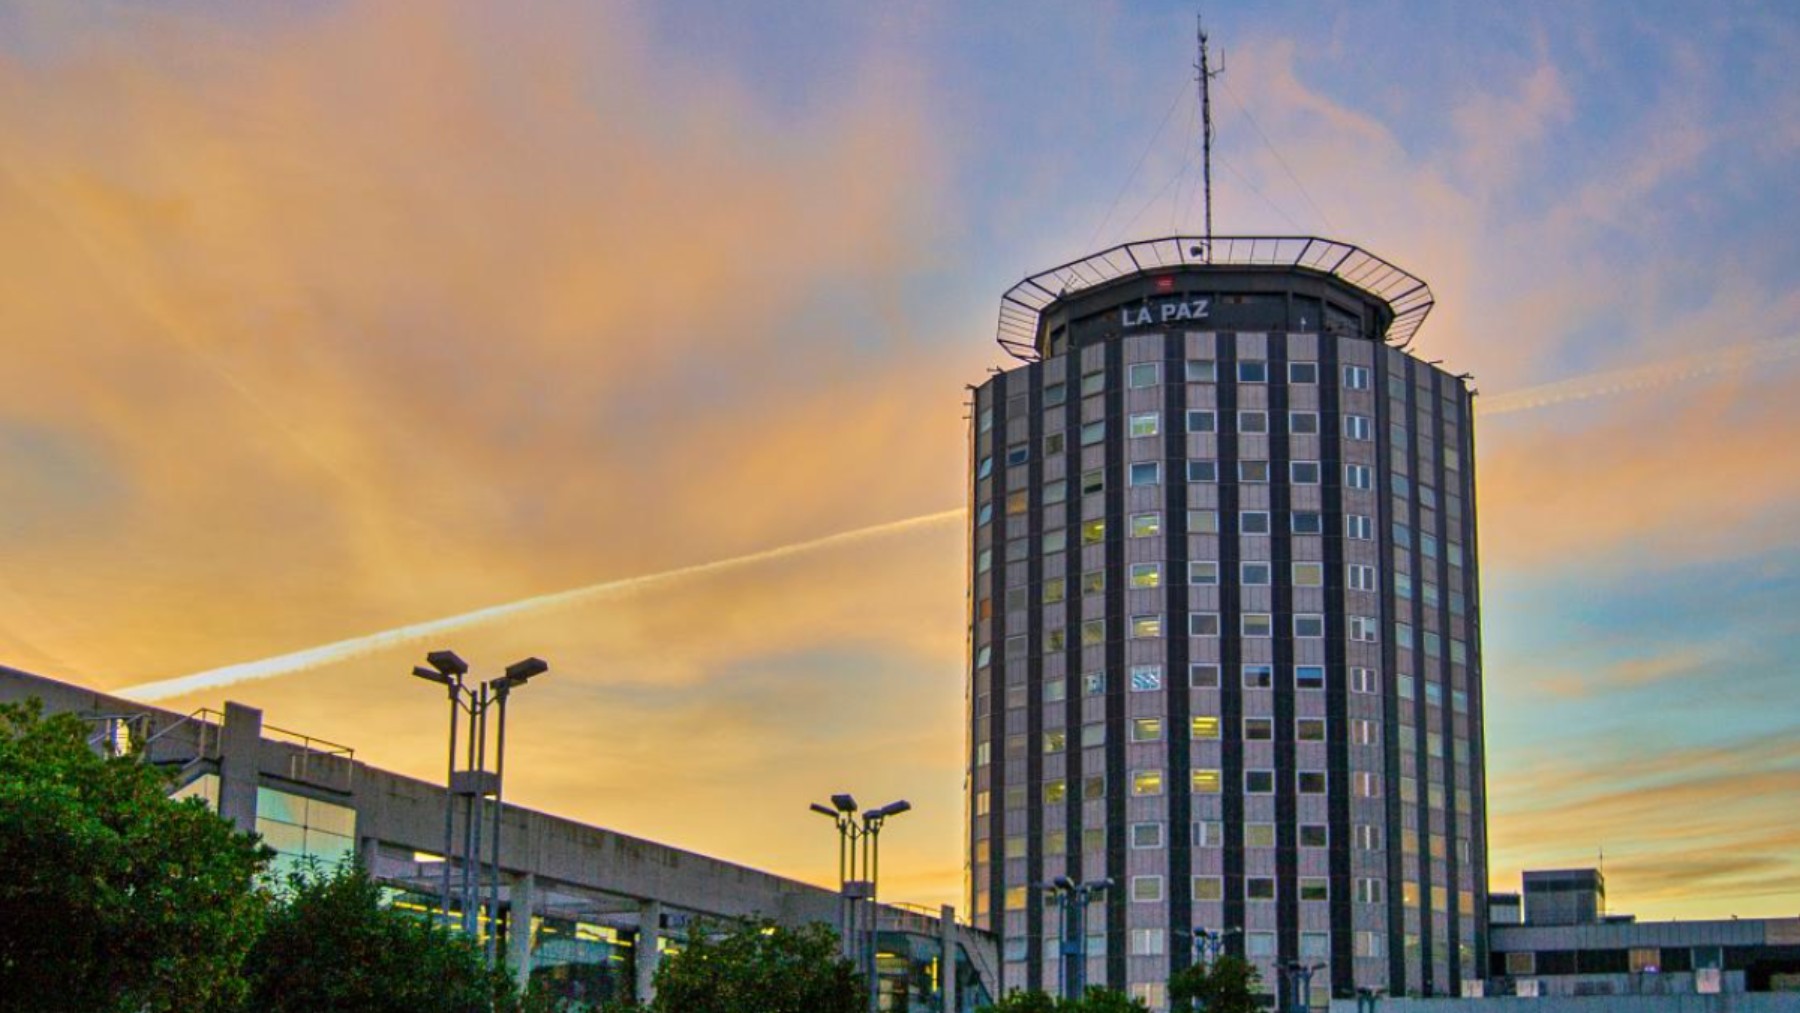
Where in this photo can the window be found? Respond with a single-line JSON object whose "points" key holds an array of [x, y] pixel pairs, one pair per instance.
{"points": [[1146, 575], [1259, 888], [1147, 888], [1364, 732], [983, 655], [984, 560], [1093, 432], [1055, 492], [1203, 726], [1259, 782], [1093, 735], [1018, 453], [1259, 835], [1204, 782], [1203, 572], [1144, 374], [1055, 690], [1309, 676], [1202, 371], [1056, 540], [1303, 423], [1202, 471], [1093, 481], [1369, 891], [1200, 421], [1356, 377], [1093, 532], [1358, 577], [1260, 945], [1303, 372], [1314, 889], [1145, 424], [1303, 472], [985, 421], [985, 467], [1356, 427], [1056, 791], [1259, 729], [1208, 887], [1055, 639], [1403, 585], [1310, 782], [1146, 835], [1309, 625], [1093, 383], [1203, 522], [1017, 502], [1259, 676], [1359, 527], [1146, 473], [1309, 574], [1203, 624], [1367, 784], [1307, 522], [1093, 632], [1253, 372], [1055, 394], [1358, 476], [984, 513], [1258, 624], [1093, 582], [1146, 782], [1253, 422], [1253, 522], [1055, 444], [1203, 676], [1254, 573], [1314, 835], [1146, 678], [1363, 628], [1367, 837], [1093, 683], [1146, 525], [1146, 729]]}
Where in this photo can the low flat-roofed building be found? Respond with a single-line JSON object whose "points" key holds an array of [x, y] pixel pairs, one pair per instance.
{"points": [[598, 901]]}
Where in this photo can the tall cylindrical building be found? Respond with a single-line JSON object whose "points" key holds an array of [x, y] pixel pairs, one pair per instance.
{"points": [[1224, 625]]}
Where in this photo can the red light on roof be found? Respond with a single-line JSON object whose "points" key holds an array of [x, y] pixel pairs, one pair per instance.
{"points": [[1166, 283]]}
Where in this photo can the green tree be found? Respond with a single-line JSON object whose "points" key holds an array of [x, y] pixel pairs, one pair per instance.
{"points": [[1097, 1000], [331, 946], [1227, 985], [759, 967], [113, 896]]}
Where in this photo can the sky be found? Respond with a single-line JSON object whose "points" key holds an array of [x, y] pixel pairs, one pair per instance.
{"points": [[585, 330]]}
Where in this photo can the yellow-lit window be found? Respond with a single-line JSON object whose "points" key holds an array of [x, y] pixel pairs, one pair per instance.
{"points": [[1146, 782], [1017, 502], [1146, 729], [1015, 898], [1054, 590], [1093, 532], [1205, 782], [1146, 627], [1056, 741], [1055, 791], [1146, 525], [1146, 575], [1205, 726]]}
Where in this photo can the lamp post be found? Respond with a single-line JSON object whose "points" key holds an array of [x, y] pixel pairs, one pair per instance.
{"points": [[858, 875], [1072, 900], [1300, 984], [1209, 945], [474, 782]]}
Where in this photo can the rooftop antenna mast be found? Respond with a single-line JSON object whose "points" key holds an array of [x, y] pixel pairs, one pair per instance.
{"points": [[1205, 75]]}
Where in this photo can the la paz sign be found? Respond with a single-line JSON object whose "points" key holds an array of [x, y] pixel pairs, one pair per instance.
{"points": [[1165, 311]]}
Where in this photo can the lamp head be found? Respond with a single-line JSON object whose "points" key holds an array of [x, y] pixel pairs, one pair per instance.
{"points": [[432, 675], [825, 811], [891, 809], [844, 803], [520, 672], [447, 663], [1063, 883]]}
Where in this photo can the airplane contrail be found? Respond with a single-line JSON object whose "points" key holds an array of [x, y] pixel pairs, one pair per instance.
{"points": [[1577, 389], [313, 657], [1657, 374]]}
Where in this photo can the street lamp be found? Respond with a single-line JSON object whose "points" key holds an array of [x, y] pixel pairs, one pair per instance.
{"points": [[1072, 900], [473, 783], [1209, 945], [1300, 983], [858, 875]]}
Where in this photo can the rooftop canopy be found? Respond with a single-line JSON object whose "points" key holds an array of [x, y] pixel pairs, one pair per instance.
{"points": [[1405, 295]]}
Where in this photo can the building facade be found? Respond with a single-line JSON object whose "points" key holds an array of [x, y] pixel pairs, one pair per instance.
{"points": [[1224, 624]]}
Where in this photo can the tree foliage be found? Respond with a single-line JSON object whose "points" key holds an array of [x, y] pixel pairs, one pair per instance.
{"points": [[331, 946], [1096, 1000], [761, 967], [113, 896], [1227, 985]]}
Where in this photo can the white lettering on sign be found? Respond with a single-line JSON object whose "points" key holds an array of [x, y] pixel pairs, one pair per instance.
{"points": [[1166, 312]]}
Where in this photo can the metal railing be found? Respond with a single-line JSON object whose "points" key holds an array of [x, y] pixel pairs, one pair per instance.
{"points": [[316, 761], [1407, 296]]}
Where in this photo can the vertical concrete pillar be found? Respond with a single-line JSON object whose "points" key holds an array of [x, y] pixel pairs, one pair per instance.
{"points": [[649, 953], [947, 961], [518, 928], [240, 742]]}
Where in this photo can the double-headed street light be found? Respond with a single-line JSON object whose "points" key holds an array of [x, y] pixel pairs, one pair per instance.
{"points": [[1299, 977], [858, 876], [474, 782], [1209, 945], [1072, 900]]}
